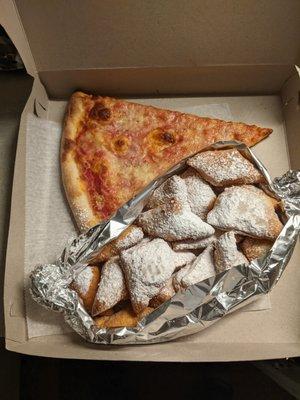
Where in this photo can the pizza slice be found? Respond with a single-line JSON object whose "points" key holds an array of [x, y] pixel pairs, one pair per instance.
{"points": [[112, 148]]}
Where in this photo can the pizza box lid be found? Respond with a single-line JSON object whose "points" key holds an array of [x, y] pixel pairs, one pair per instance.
{"points": [[131, 48]]}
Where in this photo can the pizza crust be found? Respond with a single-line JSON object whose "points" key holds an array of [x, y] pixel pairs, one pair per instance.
{"points": [[74, 114], [74, 186]]}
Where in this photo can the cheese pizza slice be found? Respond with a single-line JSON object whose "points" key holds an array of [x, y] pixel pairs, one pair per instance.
{"points": [[112, 148]]}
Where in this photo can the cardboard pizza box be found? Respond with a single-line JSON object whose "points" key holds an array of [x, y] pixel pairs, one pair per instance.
{"points": [[171, 54]]}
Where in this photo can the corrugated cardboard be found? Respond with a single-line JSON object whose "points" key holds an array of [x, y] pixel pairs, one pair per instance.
{"points": [[150, 48]]}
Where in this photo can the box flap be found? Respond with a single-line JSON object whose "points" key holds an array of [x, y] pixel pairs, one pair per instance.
{"points": [[168, 81], [10, 21], [71, 346], [105, 34]]}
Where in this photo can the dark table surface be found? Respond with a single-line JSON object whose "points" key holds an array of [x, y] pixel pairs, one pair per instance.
{"points": [[25, 377]]}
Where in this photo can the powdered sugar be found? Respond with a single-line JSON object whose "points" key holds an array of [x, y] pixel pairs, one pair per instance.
{"points": [[202, 268], [225, 167], [201, 197], [183, 258], [173, 188], [174, 222], [147, 267], [82, 281], [112, 288], [227, 254], [245, 209]]}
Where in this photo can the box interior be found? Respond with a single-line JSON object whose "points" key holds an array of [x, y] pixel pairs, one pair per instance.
{"points": [[163, 56], [270, 327]]}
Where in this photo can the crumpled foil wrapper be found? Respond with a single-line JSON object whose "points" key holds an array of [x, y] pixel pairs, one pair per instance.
{"points": [[200, 305]]}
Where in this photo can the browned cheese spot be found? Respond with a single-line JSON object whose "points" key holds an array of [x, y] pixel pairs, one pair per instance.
{"points": [[160, 139], [100, 112], [168, 137], [120, 145]]}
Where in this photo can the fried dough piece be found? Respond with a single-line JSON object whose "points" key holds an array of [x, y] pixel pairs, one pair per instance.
{"points": [[226, 253], [112, 288], [255, 248], [173, 188], [199, 270], [125, 317], [200, 195], [147, 268], [225, 168], [164, 295], [173, 221], [188, 189], [246, 210], [85, 284]]}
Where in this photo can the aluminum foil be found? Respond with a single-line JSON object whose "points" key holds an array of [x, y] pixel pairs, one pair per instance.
{"points": [[187, 312]]}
